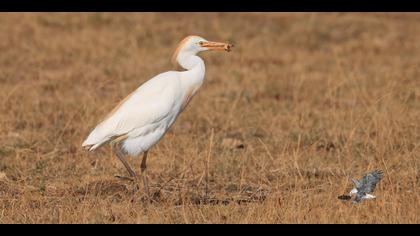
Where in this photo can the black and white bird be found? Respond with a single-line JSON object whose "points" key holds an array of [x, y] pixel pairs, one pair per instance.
{"points": [[365, 187]]}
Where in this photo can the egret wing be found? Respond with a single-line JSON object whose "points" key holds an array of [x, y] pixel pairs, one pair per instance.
{"points": [[149, 104]]}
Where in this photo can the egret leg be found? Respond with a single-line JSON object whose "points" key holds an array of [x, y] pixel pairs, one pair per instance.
{"points": [[130, 171], [144, 174], [133, 176]]}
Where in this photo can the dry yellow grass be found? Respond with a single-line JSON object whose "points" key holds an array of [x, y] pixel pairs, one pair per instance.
{"points": [[302, 103]]}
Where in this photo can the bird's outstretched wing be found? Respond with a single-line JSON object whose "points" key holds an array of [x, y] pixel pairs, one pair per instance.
{"points": [[369, 181], [140, 112], [356, 183]]}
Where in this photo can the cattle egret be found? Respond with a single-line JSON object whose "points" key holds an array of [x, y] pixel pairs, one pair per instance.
{"points": [[140, 120]]}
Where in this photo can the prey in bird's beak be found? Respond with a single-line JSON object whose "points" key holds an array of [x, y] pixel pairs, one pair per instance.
{"points": [[217, 46]]}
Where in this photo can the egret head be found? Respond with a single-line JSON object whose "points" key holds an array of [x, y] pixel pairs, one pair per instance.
{"points": [[192, 45]]}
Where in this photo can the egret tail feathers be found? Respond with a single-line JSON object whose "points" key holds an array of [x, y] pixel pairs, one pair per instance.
{"points": [[92, 143], [93, 146]]}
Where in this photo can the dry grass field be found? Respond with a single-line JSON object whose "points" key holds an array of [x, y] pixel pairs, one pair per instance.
{"points": [[302, 103]]}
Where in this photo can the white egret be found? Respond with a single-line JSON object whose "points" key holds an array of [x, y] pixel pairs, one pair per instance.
{"points": [[143, 117]]}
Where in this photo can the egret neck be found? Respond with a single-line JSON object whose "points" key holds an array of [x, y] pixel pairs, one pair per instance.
{"points": [[193, 77]]}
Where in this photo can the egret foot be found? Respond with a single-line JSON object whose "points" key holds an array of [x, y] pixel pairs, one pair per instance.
{"points": [[124, 178]]}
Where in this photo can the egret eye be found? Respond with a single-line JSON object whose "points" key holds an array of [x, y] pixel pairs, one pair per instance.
{"points": [[201, 43]]}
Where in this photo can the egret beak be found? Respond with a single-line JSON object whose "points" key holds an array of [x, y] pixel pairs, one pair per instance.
{"points": [[217, 46]]}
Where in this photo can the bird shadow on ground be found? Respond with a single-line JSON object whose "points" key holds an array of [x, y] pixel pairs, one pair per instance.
{"points": [[178, 192], [175, 192], [119, 191], [102, 188], [169, 194]]}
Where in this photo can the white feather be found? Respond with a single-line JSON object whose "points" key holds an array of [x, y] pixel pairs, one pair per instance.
{"points": [[151, 106]]}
